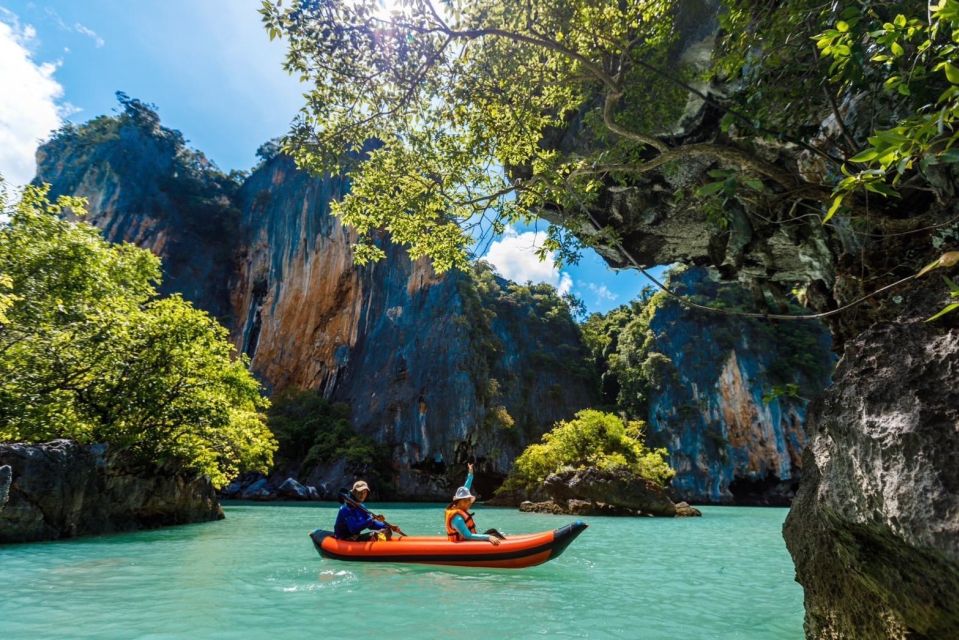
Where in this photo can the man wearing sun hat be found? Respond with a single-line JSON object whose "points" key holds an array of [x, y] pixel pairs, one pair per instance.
{"points": [[351, 519], [459, 521]]}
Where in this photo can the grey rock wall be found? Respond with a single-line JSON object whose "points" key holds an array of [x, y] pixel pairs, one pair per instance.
{"points": [[730, 438], [62, 490]]}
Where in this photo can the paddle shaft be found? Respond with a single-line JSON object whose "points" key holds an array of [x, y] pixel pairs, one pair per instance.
{"points": [[346, 498]]}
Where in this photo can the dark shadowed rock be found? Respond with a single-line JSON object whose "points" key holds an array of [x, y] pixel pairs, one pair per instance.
{"points": [[293, 490], [6, 478], [256, 489], [683, 510], [547, 506], [232, 490], [593, 491], [62, 490], [579, 508]]}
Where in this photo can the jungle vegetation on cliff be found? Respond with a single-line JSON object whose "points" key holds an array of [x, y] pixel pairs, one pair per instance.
{"points": [[628, 353], [88, 352]]}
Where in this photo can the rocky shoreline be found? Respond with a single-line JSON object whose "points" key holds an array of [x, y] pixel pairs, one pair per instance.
{"points": [[256, 486], [61, 489], [599, 492]]}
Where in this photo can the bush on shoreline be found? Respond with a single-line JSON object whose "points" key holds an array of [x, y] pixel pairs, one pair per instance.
{"points": [[88, 351], [591, 439]]}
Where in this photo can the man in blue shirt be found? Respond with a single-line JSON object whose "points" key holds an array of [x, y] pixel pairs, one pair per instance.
{"points": [[352, 519]]}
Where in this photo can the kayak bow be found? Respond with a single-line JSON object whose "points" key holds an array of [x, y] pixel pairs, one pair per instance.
{"points": [[516, 552]]}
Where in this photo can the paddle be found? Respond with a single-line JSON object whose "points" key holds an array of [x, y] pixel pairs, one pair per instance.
{"points": [[345, 497]]}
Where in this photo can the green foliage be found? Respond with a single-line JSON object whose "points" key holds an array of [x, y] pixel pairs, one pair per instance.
{"points": [[499, 417], [767, 46], [790, 390], [457, 101], [915, 54], [592, 438], [953, 295], [88, 352], [315, 431]]}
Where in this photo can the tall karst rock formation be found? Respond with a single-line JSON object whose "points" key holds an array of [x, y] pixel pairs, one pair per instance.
{"points": [[439, 368], [728, 397]]}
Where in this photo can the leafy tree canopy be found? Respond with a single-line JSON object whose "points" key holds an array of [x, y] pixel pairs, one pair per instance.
{"points": [[464, 99], [88, 352], [487, 111]]}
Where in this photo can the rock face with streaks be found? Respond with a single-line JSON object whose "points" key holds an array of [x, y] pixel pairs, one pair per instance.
{"points": [[62, 490], [875, 527], [439, 368], [144, 186], [731, 438]]}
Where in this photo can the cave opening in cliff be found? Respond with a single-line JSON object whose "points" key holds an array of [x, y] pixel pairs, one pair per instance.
{"points": [[766, 491]]}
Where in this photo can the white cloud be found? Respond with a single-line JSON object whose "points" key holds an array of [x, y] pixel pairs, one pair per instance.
{"points": [[602, 292], [77, 27], [90, 33], [29, 108], [514, 257]]}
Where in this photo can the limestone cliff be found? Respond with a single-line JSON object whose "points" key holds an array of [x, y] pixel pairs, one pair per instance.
{"points": [[413, 354], [731, 437], [437, 368], [146, 187]]}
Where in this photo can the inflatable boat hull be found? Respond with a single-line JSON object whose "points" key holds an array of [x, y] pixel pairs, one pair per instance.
{"points": [[515, 552]]}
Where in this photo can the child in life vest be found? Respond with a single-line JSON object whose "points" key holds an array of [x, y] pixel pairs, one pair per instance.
{"points": [[459, 521]]}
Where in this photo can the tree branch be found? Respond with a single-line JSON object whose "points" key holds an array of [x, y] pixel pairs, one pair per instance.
{"points": [[611, 99], [729, 155]]}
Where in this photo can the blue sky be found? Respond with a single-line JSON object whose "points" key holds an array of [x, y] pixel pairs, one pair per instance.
{"points": [[214, 75]]}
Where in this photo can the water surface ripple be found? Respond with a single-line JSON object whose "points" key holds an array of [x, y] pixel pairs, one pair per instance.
{"points": [[256, 575]]}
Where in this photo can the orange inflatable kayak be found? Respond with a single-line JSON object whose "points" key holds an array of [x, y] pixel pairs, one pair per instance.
{"points": [[515, 552]]}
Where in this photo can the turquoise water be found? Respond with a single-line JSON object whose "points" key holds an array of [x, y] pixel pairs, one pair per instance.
{"points": [[256, 575]]}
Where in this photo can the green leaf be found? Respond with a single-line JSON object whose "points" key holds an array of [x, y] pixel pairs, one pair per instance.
{"points": [[842, 26], [952, 72], [836, 203], [710, 189], [949, 308], [865, 156], [896, 49], [890, 136], [754, 184]]}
